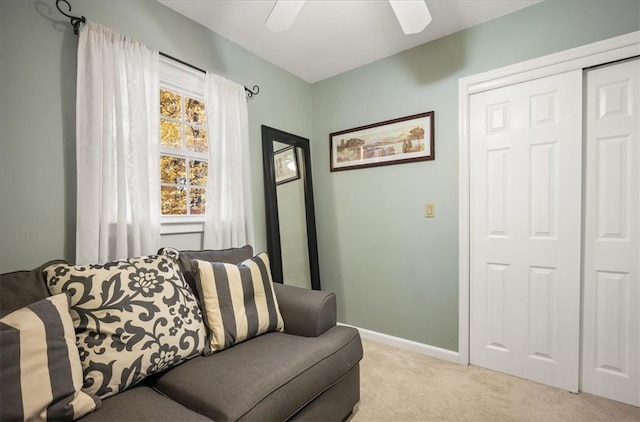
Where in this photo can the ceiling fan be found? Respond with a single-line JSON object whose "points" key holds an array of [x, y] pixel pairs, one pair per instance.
{"points": [[413, 15]]}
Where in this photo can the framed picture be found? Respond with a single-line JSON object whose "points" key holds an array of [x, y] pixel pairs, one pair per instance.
{"points": [[286, 165], [402, 140]]}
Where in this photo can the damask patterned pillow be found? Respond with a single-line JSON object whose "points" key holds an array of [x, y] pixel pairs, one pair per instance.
{"points": [[238, 301], [132, 318]]}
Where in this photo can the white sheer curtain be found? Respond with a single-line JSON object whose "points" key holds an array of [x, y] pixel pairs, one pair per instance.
{"points": [[229, 207], [117, 147]]}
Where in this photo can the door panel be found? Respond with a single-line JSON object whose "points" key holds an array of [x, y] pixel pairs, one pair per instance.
{"points": [[526, 229], [611, 324]]}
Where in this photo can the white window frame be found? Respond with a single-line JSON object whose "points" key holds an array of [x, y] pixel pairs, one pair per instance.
{"points": [[185, 80]]}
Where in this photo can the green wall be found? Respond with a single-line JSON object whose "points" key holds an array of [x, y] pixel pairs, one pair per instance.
{"points": [[393, 270], [37, 113]]}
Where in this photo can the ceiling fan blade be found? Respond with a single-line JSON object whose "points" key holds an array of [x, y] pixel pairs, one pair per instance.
{"points": [[413, 15], [283, 14]]}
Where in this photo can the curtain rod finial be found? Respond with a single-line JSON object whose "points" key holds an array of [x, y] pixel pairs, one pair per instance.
{"points": [[75, 20], [252, 92]]}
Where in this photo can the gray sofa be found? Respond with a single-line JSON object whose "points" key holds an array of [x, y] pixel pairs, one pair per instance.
{"points": [[308, 372]]}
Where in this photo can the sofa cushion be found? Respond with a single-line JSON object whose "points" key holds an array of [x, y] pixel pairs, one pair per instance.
{"points": [[238, 301], [21, 288], [184, 258], [40, 371], [269, 377], [133, 318], [143, 404]]}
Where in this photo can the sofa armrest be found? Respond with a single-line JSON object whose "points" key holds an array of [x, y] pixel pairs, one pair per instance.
{"points": [[307, 313]]}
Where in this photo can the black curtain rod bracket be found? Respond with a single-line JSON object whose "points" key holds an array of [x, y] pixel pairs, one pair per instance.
{"points": [[254, 91], [75, 20]]}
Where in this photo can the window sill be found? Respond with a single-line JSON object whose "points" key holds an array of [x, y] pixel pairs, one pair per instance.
{"points": [[181, 226]]}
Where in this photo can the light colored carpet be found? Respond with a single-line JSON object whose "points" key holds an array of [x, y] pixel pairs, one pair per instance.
{"points": [[398, 385]]}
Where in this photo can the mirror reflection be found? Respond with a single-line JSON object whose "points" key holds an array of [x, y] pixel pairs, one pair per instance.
{"points": [[289, 177], [291, 229]]}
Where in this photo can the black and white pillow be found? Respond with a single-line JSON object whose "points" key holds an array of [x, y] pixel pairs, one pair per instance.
{"points": [[238, 301], [132, 318], [40, 371]]}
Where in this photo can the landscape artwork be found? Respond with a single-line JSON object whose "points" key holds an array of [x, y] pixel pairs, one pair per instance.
{"points": [[285, 162], [394, 141]]}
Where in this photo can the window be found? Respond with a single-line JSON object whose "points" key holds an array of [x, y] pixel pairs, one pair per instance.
{"points": [[184, 142]]}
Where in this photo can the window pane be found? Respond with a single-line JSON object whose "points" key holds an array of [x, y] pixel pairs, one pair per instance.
{"points": [[198, 172], [196, 139], [173, 200], [169, 104], [173, 170], [194, 111], [197, 201], [170, 135]]}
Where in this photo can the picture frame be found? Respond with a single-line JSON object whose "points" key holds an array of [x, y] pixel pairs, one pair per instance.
{"points": [[285, 163], [401, 140]]}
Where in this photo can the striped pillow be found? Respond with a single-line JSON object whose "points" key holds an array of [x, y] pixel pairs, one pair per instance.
{"points": [[238, 301], [40, 369]]}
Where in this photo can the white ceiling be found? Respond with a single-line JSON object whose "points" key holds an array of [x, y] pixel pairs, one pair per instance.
{"points": [[332, 36]]}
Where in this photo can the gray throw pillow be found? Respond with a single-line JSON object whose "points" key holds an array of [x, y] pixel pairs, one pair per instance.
{"points": [[184, 258], [22, 288]]}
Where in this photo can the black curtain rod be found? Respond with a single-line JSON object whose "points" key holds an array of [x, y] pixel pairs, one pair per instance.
{"points": [[76, 21], [250, 93]]}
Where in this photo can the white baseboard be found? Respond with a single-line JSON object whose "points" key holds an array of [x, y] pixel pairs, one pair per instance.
{"points": [[414, 346]]}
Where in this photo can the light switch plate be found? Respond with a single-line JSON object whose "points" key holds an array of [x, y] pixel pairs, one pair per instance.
{"points": [[430, 210]]}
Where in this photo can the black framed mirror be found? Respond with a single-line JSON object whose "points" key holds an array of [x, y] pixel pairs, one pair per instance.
{"points": [[290, 212]]}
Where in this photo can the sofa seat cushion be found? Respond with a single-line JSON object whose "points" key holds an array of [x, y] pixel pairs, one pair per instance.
{"points": [[142, 404], [269, 377]]}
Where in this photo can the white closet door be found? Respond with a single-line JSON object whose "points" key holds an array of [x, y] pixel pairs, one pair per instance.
{"points": [[526, 164], [611, 354]]}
